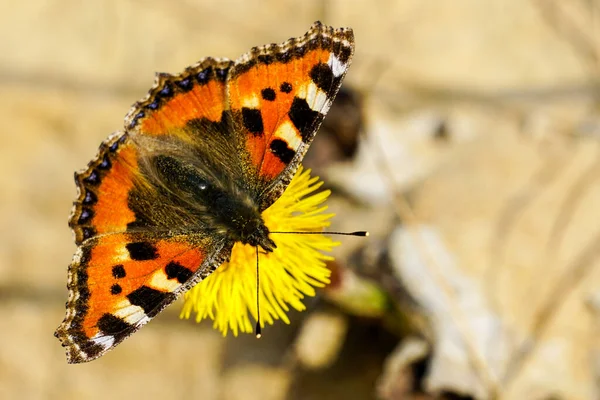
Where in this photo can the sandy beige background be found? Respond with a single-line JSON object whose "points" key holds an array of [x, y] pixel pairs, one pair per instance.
{"points": [[69, 71]]}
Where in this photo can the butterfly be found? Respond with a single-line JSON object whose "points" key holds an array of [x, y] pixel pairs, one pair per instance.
{"points": [[200, 158]]}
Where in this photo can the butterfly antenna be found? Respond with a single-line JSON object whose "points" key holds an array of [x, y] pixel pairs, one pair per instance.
{"points": [[257, 330], [357, 233]]}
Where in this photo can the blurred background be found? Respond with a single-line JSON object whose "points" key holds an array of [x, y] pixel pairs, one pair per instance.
{"points": [[466, 140]]}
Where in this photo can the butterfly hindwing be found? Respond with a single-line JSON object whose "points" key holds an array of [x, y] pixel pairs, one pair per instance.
{"points": [[118, 282], [279, 94]]}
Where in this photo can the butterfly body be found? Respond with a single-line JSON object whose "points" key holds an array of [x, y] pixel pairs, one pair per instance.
{"points": [[209, 204], [201, 157]]}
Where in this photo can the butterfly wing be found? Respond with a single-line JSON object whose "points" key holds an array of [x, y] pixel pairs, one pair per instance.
{"points": [[278, 95], [176, 102], [133, 259], [118, 282]]}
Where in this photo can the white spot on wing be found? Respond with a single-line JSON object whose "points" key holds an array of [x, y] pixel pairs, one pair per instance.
{"points": [[121, 254], [129, 313], [315, 97], [326, 107], [161, 282], [144, 320], [105, 341], [288, 133], [251, 102], [336, 65]]}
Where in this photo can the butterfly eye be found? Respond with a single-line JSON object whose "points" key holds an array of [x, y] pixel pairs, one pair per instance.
{"points": [[202, 185]]}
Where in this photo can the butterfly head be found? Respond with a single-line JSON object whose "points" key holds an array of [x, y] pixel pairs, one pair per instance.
{"points": [[247, 226], [259, 237]]}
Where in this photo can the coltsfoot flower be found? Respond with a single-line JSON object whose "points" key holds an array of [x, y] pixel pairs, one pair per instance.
{"points": [[288, 274]]}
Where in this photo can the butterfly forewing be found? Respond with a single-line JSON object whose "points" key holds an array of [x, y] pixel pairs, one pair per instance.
{"points": [[279, 95]]}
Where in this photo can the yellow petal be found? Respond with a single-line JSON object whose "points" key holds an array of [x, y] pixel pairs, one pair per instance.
{"points": [[287, 275]]}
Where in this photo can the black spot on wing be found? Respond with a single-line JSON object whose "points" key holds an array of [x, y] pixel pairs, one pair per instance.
{"points": [[86, 215], [253, 121], [221, 73], [89, 198], [105, 163], [91, 349], [149, 299], [142, 251], [116, 289], [87, 232], [284, 56], [304, 118], [326, 42], [343, 53], [165, 92], [177, 271], [281, 150], [268, 94], [266, 59], [112, 325], [300, 51], [204, 76], [93, 178], [154, 105], [185, 85], [136, 118], [113, 147], [322, 76], [286, 87], [118, 271]]}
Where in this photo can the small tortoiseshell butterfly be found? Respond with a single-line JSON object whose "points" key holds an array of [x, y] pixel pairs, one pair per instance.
{"points": [[201, 156]]}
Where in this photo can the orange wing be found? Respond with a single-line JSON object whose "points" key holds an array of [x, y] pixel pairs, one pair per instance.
{"points": [[118, 282], [175, 100], [279, 95], [101, 205]]}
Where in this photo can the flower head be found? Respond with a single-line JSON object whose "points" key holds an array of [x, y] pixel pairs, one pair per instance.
{"points": [[290, 272]]}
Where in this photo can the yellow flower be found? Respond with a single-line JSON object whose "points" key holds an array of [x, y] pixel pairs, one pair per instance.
{"points": [[289, 273]]}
